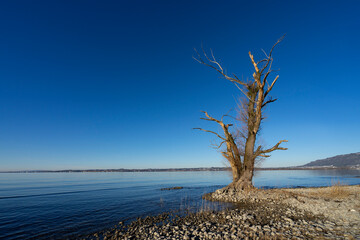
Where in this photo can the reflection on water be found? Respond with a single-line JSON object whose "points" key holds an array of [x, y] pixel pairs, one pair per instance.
{"points": [[58, 205]]}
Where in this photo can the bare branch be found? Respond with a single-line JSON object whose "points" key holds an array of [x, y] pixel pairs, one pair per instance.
{"points": [[221, 143], [253, 62], [276, 147], [278, 41], [269, 58], [258, 150], [216, 66], [243, 92], [227, 115], [225, 154], [265, 53], [271, 86], [268, 72], [211, 132], [206, 119], [209, 118], [217, 146], [268, 101]]}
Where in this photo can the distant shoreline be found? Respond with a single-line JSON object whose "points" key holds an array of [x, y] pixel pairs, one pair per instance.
{"points": [[211, 169]]}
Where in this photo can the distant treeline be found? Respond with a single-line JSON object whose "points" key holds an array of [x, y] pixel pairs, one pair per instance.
{"points": [[173, 169]]}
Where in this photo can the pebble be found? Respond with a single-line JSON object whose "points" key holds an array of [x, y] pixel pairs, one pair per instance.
{"points": [[257, 218]]}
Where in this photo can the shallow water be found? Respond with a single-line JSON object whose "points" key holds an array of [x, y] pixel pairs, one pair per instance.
{"points": [[61, 205]]}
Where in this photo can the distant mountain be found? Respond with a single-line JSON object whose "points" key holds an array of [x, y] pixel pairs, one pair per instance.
{"points": [[345, 160]]}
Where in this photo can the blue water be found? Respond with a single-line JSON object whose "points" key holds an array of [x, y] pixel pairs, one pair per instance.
{"points": [[67, 205]]}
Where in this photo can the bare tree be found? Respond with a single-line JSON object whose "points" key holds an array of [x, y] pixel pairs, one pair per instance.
{"points": [[241, 150]]}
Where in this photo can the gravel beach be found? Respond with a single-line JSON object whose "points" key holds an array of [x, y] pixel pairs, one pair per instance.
{"points": [[299, 213]]}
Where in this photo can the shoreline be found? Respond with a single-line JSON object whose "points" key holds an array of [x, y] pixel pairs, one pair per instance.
{"points": [[200, 169], [296, 213]]}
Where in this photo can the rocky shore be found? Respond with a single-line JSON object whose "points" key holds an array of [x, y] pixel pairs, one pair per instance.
{"points": [[301, 213]]}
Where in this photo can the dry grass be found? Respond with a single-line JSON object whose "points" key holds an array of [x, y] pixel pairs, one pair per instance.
{"points": [[337, 190], [206, 206]]}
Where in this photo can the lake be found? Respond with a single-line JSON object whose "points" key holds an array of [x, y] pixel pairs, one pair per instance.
{"points": [[67, 205]]}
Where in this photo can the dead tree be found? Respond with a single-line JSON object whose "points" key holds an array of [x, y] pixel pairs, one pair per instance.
{"points": [[251, 109]]}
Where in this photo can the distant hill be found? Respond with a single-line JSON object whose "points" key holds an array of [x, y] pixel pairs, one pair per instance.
{"points": [[345, 160]]}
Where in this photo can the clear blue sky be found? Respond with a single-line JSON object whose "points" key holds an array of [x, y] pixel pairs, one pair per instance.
{"points": [[112, 84]]}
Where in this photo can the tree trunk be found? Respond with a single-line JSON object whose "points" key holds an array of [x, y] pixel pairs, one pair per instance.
{"points": [[245, 181], [242, 183], [242, 178], [236, 173]]}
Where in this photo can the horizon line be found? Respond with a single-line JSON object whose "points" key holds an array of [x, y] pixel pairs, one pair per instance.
{"points": [[165, 169]]}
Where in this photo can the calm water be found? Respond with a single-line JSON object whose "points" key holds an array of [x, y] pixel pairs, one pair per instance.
{"points": [[66, 205]]}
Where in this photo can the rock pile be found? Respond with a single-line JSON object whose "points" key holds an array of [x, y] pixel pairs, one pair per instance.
{"points": [[269, 214]]}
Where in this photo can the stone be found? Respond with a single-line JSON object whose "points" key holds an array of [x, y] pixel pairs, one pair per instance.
{"points": [[288, 220], [318, 229]]}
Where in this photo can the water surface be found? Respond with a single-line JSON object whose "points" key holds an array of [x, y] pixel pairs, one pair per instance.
{"points": [[60, 205]]}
